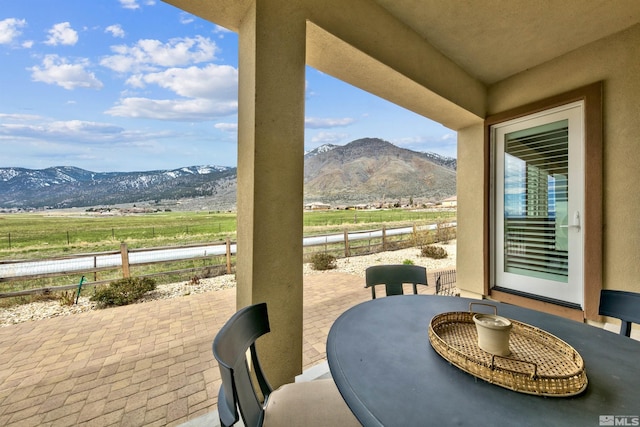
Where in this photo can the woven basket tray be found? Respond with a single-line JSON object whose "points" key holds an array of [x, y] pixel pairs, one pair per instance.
{"points": [[540, 363]]}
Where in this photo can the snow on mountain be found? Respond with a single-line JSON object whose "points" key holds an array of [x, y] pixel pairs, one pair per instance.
{"points": [[63, 185], [319, 150]]}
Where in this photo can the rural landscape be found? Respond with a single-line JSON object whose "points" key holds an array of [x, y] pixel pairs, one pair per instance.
{"points": [[361, 188], [366, 171]]}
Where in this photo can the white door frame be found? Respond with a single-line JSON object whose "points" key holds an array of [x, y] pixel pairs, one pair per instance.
{"points": [[573, 291]]}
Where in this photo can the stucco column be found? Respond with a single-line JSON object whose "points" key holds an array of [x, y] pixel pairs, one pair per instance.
{"points": [[270, 179], [472, 235]]}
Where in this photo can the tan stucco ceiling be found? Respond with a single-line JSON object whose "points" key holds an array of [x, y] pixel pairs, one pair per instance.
{"points": [[490, 39], [494, 39], [437, 57]]}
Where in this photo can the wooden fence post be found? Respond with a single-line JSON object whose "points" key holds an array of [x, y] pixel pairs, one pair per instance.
{"points": [[124, 252], [347, 252], [228, 256]]}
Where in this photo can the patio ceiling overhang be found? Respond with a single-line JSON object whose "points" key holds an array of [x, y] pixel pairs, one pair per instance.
{"points": [[470, 44]]}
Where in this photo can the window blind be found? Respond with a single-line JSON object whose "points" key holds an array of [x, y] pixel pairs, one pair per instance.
{"points": [[536, 194]]}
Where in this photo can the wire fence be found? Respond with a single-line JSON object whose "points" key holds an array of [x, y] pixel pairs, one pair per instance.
{"points": [[178, 263], [446, 283]]}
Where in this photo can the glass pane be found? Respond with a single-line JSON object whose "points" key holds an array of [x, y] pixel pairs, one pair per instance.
{"points": [[535, 201]]}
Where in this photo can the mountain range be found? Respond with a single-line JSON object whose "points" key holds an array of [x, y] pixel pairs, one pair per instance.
{"points": [[363, 171]]}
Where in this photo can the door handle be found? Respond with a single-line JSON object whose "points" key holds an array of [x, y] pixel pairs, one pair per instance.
{"points": [[576, 222]]}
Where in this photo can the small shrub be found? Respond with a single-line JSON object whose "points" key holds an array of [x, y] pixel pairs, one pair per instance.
{"points": [[67, 298], [195, 281], [123, 291], [394, 246], [435, 252], [322, 261], [408, 262], [444, 232], [424, 237]]}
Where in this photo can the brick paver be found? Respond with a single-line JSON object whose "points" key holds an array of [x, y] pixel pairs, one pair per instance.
{"points": [[145, 364]]}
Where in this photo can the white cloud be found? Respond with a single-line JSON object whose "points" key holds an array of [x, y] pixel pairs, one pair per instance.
{"points": [[186, 18], [72, 129], [133, 4], [320, 123], [221, 31], [129, 4], [413, 141], [56, 70], [62, 33], [115, 30], [328, 138], [226, 127], [207, 93], [10, 29], [211, 82], [82, 127], [444, 144], [19, 117], [148, 54], [79, 132], [196, 110], [27, 44]]}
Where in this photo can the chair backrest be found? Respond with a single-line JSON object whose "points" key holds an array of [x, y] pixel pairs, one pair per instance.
{"points": [[621, 305], [230, 347], [394, 276]]}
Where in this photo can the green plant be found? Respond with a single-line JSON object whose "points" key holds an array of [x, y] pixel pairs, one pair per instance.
{"points": [[322, 261], [408, 262], [123, 291], [435, 252]]}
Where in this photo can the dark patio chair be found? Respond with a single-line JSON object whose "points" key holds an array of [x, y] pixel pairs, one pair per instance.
{"points": [[393, 277], [311, 403], [621, 305]]}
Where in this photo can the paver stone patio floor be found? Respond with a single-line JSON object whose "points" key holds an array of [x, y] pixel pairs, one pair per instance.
{"points": [[146, 364]]}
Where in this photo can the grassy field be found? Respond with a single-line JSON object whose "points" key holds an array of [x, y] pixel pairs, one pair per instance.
{"points": [[42, 235]]}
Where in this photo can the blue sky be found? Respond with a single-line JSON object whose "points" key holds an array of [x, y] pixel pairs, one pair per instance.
{"points": [[131, 85]]}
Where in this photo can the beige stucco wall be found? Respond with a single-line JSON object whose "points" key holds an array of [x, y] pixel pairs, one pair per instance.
{"points": [[616, 61]]}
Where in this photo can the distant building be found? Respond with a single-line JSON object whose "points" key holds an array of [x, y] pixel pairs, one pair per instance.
{"points": [[450, 202], [317, 206]]}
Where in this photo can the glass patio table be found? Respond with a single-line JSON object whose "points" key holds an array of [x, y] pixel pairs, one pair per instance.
{"points": [[382, 361]]}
